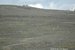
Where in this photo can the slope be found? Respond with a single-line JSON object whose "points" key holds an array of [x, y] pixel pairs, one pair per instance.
{"points": [[27, 28]]}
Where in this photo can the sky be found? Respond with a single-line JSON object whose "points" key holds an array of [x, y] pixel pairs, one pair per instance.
{"points": [[44, 4]]}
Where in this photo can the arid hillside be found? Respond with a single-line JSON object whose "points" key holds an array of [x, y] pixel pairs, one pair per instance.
{"points": [[27, 28]]}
